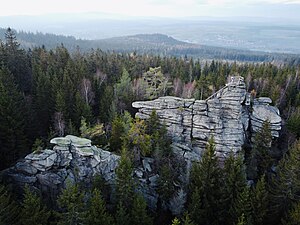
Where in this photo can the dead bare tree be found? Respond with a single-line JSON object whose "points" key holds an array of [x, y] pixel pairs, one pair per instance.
{"points": [[59, 123], [86, 91]]}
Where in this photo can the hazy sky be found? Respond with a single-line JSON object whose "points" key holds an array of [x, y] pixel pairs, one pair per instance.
{"points": [[164, 8]]}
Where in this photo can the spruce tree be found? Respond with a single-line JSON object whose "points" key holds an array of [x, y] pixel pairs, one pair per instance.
{"points": [[138, 140], [32, 210], [139, 212], [293, 217], [285, 186], [96, 213], [124, 92], [205, 181], [43, 100], [12, 135], [122, 215], [124, 180], [17, 61], [242, 206], [9, 210], [71, 203], [152, 123], [259, 202], [195, 205], [175, 221], [234, 184], [117, 133], [241, 220], [262, 148], [165, 186], [187, 220]]}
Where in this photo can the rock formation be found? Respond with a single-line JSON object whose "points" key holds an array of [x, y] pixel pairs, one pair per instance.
{"points": [[229, 116], [75, 160]]}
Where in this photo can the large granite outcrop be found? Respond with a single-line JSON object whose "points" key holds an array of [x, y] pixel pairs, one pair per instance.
{"points": [[230, 116]]}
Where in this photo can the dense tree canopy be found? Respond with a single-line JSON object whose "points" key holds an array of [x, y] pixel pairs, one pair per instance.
{"points": [[47, 93]]}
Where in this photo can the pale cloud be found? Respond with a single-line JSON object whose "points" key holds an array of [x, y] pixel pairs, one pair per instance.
{"points": [[164, 8]]}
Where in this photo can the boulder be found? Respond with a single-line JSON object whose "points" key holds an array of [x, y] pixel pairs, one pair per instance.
{"points": [[79, 142], [42, 161], [147, 164]]}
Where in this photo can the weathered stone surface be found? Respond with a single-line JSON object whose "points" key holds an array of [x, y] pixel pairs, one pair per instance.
{"points": [[42, 161], [71, 160], [227, 116], [264, 100], [146, 164], [60, 141], [71, 140], [79, 142], [263, 112]]}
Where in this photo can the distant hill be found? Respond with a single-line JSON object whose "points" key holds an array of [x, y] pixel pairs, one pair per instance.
{"points": [[158, 44]]}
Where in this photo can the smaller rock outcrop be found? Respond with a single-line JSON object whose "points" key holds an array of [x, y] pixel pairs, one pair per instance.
{"points": [[75, 160], [262, 111], [72, 159]]}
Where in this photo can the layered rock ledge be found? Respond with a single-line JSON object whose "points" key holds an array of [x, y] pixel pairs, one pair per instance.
{"points": [[75, 160], [228, 116]]}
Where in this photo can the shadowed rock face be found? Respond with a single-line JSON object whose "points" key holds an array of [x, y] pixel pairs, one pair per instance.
{"points": [[228, 116]]}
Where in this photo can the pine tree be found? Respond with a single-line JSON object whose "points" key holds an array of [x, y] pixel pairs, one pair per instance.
{"points": [[71, 202], [205, 188], [9, 210], [157, 84], [32, 210], [139, 212], [96, 213]]}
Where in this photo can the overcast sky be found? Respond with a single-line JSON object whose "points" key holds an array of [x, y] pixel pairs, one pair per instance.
{"points": [[163, 8]]}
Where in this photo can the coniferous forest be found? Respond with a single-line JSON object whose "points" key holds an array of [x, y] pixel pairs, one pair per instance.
{"points": [[50, 93]]}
